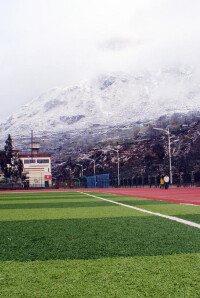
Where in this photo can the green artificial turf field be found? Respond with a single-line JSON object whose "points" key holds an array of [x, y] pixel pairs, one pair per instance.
{"points": [[69, 244]]}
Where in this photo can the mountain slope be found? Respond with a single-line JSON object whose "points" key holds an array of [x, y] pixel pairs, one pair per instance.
{"points": [[108, 101]]}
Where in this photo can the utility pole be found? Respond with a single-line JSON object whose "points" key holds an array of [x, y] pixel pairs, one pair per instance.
{"points": [[169, 148]]}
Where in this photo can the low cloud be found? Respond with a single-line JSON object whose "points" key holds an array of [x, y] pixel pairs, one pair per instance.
{"points": [[47, 43]]}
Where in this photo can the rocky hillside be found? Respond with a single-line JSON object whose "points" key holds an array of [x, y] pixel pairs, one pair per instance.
{"points": [[118, 111], [143, 151], [109, 100]]}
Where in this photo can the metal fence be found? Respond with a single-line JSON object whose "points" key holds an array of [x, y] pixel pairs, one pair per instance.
{"points": [[181, 179], [98, 181]]}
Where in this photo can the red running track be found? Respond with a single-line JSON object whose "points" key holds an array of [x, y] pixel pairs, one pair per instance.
{"points": [[176, 195]]}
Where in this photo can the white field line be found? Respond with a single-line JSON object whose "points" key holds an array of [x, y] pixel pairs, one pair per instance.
{"points": [[188, 204], [183, 221]]}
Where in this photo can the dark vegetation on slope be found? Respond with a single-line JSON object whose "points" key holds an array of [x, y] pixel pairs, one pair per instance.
{"points": [[143, 151]]}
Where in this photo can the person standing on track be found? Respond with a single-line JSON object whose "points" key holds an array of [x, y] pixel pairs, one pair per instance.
{"points": [[162, 182], [166, 181]]}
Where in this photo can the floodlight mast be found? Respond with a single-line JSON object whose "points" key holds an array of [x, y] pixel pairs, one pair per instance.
{"points": [[117, 150], [169, 149], [94, 164], [94, 167], [78, 164], [70, 171]]}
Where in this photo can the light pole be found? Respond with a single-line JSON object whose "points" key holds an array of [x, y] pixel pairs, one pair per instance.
{"points": [[78, 164], [70, 172], [94, 164], [169, 148], [117, 150]]}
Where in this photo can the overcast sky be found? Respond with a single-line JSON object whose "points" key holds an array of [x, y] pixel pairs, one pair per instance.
{"points": [[48, 43]]}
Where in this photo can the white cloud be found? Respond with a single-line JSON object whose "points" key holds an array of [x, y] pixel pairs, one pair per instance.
{"points": [[45, 43]]}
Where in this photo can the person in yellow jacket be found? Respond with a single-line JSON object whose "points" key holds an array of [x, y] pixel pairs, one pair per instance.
{"points": [[162, 183]]}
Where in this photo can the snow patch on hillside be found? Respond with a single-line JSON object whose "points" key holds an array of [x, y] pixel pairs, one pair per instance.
{"points": [[110, 100]]}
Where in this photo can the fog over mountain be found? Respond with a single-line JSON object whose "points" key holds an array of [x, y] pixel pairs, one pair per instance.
{"points": [[54, 43], [108, 100]]}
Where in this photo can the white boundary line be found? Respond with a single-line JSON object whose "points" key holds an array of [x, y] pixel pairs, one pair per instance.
{"points": [[183, 221]]}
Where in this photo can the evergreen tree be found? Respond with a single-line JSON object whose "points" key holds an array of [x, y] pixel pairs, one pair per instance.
{"points": [[3, 161], [16, 167], [8, 149], [10, 162]]}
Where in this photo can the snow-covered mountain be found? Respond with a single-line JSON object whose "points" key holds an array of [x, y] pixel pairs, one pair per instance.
{"points": [[109, 100]]}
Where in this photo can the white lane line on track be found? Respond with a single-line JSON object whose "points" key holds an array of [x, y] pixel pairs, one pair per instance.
{"points": [[183, 221]]}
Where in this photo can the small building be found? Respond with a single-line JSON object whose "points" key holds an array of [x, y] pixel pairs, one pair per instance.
{"points": [[37, 167]]}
